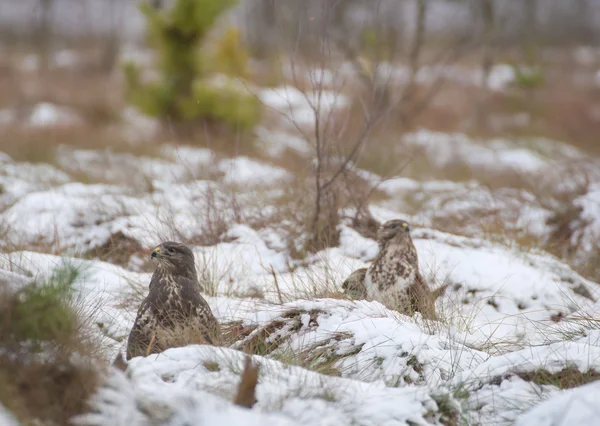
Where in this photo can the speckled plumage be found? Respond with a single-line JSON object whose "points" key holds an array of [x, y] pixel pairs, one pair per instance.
{"points": [[394, 278], [174, 313]]}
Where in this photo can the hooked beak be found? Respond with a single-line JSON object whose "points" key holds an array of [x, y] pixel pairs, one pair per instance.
{"points": [[156, 252]]}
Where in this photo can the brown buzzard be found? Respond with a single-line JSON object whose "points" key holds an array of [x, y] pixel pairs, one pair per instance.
{"points": [[174, 313], [394, 278]]}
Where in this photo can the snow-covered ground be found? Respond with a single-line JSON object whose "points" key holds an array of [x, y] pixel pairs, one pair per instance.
{"points": [[509, 311], [499, 319]]}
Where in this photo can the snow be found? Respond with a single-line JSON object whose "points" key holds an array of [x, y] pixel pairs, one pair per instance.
{"points": [[72, 215], [570, 407], [20, 179], [138, 128], [174, 382], [276, 142], [7, 419], [65, 59], [47, 114], [243, 170], [301, 107], [443, 149], [590, 204], [508, 311]]}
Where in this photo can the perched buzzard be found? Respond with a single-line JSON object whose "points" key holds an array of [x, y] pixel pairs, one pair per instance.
{"points": [[174, 313], [394, 278]]}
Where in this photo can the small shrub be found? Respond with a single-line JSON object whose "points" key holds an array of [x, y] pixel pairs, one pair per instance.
{"points": [[183, 93], [40, 338], [230, 56], [40, 312]]}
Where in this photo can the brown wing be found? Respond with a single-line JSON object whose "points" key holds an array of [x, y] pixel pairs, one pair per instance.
{"points": [[354, 285], [198, 311], [421, 298], [142, 331]]}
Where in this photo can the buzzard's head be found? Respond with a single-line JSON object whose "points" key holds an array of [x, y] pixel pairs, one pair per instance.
{"points": [[395, 229], [175, 257]]}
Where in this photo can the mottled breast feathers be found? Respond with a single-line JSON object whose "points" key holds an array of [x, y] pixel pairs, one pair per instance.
{"points": [[174, 313], [394, 278]]}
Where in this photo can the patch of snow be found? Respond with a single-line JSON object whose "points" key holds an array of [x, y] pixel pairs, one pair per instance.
{"points": [[300, 107], [398, 185], [501, 75], [175, 383], [276, 142], [5, 158], [582, 354], [578, 406], [472, 209], [125, 169], [29, 63], [19, 179], [585, 55], [138, 127], [73, 215], [65, 59], [501, 402], [588, 238], [505, 295], [47, 115], [191, 157], [246, 171], [522, 156], [6, 418]]}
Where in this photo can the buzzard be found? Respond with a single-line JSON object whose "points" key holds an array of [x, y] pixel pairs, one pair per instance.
{"points": [[394, 278], [174, 313]]}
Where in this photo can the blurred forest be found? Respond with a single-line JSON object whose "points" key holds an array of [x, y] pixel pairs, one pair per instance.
{"points": [[550, 44]]}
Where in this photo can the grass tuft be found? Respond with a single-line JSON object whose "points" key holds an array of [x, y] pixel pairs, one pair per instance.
{"points": [[47, 369]]}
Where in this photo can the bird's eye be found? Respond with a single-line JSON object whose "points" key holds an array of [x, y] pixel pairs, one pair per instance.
{"points": [[170, 251]]}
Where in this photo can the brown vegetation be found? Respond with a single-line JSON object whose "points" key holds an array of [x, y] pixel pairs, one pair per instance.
{"points": [[246, 394]]}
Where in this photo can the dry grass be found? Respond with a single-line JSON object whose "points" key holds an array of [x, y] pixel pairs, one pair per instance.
{"points": [[118, 249], [565, 379], [271, 341]]}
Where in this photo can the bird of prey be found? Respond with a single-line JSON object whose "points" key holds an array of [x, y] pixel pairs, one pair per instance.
{"points": [[174, 313], [394, 278]]}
